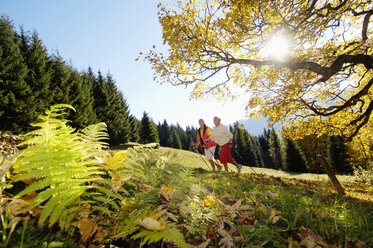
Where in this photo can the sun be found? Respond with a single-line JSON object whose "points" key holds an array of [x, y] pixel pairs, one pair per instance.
{"points": [[277, 47]]}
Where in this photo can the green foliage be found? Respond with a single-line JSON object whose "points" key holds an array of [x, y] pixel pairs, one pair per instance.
{"points": [[275, 150], [16, 108], [62, 162], [175, 141], [337, 155], [148, 130], [111, 108], [134, 127], [293, 159], [169, 234], [39, 71], [164, 132]]}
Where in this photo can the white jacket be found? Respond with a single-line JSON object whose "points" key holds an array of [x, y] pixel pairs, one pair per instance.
{"points": [[221, 134]]}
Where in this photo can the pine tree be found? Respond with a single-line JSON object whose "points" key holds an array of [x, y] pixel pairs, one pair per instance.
{"points": [[292, 156], [81, 97], [148, 130], [240, 146], [337, 155], [134, 129], [39, 71], [183, 137], [257, 150], [275, 150], [264, 144], [112, 109], [164, 131], [192, 137], [16, 108], [60, 88], [175, 141]]}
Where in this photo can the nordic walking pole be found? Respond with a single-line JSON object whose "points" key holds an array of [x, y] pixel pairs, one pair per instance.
{"points": [[202, 158]]}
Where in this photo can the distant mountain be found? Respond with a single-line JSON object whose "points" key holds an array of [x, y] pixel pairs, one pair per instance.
{"points": [[253, 126]]}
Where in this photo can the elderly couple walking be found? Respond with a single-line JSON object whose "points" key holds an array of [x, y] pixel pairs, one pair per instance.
{"points": [[207, 139]]}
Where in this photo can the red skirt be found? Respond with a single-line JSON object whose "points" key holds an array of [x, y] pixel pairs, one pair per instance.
{"points": [[225, 154]]}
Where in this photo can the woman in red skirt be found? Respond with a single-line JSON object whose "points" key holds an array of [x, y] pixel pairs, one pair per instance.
{"points": [[224, 137]]}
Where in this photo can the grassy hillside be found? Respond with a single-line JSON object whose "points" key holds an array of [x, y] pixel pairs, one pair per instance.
{"points": [[166, 197]]}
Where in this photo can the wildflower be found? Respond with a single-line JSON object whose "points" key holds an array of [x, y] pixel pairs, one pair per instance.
{"points": [[209, 201]]}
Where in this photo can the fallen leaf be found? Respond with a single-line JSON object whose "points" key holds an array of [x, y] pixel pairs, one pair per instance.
{"points": [[230, 198], [118, 181], [226, 242], [150, 224], [17, 207], [87, 229], [245, 220], [350, 244], [309, 238], [146, 188]]}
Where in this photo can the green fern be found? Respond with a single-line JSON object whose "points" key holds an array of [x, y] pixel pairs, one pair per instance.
{"points": [[169, 234], [62, 161], [93, 136]]}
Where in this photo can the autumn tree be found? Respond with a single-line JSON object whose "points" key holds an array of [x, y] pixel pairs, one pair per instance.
{"points": [[320, 84]]}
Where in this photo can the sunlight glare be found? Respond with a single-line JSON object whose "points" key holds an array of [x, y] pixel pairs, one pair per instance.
{"points": [[277, 48]]}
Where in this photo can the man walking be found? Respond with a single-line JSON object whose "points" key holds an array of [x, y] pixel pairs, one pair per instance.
{"points": [[224, 138], [203, 135]]}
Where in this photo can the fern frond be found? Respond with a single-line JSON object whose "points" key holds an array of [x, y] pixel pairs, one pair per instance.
{"points": [[94, 134], [57, 203], [63, 162], [59, 209], [108, 192], [169, 234]]}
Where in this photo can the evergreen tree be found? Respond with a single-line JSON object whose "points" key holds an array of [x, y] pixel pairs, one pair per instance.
{"points": [[16, 108], [148, 130], [192, 137], [264, 144], [39, 71], [275, 150], [175, 141], [81, 97], [111, 108], [134, 128], [241, 149], [312, 145], [337, 155], [257, 150], [59, 81], [183, 137], [164, 131], [293, 158]]}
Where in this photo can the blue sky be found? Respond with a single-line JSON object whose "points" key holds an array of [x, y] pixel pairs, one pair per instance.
{"points": [[108, 36]]}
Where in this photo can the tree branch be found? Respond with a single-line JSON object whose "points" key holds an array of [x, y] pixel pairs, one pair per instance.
{"points": [[325, 72]]}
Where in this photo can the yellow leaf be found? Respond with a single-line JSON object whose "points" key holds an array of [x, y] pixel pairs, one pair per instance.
{"points": [[118, 181]]}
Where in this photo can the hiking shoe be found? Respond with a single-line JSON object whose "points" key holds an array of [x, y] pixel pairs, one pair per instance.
{"points": [[239, 168]]}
